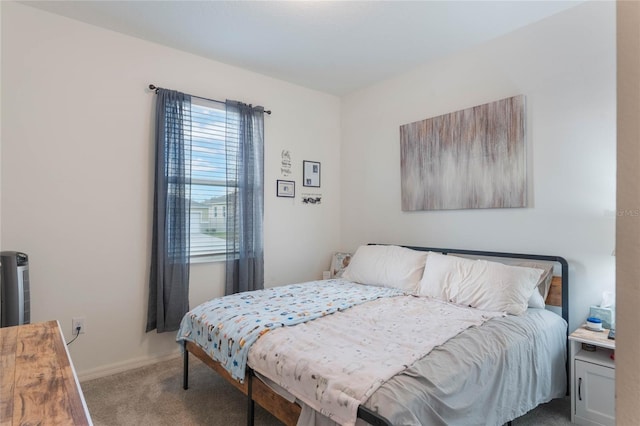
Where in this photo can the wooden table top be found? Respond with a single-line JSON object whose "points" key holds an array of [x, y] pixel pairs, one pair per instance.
{"points": [[38, 385], [583, 334]]}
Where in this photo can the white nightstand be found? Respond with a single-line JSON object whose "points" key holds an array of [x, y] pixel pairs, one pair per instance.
{"points": [[592, 378]]}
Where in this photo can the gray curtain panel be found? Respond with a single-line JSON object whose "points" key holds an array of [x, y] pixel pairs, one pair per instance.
{"points": [[245, 200], [169, 275]]}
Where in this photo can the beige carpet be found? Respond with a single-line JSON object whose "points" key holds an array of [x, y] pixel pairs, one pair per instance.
{"points": [[154, 396]]}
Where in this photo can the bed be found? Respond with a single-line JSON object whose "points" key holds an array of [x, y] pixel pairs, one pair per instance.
{"points": [[490, 368]]}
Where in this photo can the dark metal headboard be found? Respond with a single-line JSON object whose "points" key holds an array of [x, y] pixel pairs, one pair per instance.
{"points": [[561, 260]]}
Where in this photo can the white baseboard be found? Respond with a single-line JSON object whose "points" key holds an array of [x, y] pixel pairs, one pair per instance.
{"points": [[119, 367]]}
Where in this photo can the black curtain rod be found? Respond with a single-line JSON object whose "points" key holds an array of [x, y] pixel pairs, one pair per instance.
{"points": [[155, 88]]}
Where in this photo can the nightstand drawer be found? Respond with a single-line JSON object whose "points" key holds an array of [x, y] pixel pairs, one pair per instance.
{"points": [[595, 390]]}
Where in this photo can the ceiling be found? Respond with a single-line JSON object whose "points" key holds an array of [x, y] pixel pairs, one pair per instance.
{"points": [[332, 46]]}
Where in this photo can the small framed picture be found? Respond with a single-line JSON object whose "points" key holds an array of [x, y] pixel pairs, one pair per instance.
{"points": [[311, 173], [286, 188]]}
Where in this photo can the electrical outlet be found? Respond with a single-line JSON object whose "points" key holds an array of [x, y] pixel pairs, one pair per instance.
{"points": [[78, 322]]}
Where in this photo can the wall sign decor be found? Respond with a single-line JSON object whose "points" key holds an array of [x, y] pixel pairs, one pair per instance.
{"points": [[311, 173], [311, 198], [285, 162], [286, 188], [468, 159]]}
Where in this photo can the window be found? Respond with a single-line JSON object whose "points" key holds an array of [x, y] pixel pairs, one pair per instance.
{"points": [[209, 190]]}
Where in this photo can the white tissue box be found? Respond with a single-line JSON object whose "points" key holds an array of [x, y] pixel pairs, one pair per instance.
{"points": [[604, 314]]}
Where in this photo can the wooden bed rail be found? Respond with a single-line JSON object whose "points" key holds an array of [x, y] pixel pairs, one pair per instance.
{"points": [[285, 411]]}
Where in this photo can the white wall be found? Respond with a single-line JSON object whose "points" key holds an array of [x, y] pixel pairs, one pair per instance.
{"points": [[77, 176], [565, 66]]}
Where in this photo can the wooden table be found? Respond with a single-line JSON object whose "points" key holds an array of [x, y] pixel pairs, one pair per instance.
{"points": [[38, 385]]}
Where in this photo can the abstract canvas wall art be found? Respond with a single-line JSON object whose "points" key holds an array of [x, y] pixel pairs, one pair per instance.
{"points": [[469, 159]]}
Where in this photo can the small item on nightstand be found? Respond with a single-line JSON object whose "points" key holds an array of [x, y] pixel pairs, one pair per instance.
{"points": [[594, 324], [605, 314], [612, 334], [589, 348]]}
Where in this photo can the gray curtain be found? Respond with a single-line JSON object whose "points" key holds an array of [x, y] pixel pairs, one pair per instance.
{"points": [[245, 200], [169, 275]]}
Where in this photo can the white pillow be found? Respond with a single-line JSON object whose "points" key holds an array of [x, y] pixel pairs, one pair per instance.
{"points": [[536, 300], [544, 283], [387, 266], [480, 284]]}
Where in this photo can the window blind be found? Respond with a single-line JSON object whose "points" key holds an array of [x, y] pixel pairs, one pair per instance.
{"points": [[211, 145]]}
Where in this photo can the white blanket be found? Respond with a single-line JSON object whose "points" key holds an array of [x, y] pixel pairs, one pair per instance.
{"points": [[334, 364]]}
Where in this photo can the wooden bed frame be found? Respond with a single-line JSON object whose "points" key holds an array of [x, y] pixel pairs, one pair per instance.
{"points": [[288, 412]]}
